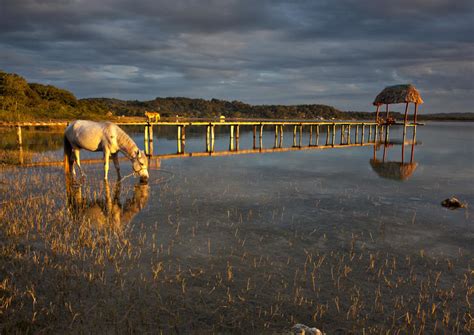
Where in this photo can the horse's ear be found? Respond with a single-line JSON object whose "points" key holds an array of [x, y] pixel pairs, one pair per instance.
{"points": [[138, 153]]}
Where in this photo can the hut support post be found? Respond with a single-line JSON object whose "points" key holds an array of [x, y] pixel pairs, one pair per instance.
{"points": [[261, 136], [415, 115], [363, 134], [370, 133], [310, 135], [386, 112], [377, 114], [406, 114]]}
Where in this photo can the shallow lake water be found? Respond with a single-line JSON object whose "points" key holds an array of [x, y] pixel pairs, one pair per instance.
{"points": [[259, 242]]}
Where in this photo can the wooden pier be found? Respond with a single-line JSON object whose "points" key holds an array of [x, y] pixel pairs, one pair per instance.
{"points": [[322, 134]]}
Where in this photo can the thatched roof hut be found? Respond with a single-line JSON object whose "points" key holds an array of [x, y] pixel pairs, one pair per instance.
{"points": [[398, 94], [393, 170]]}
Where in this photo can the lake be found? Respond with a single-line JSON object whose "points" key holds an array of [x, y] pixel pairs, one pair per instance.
{"points": [[244, 243]]}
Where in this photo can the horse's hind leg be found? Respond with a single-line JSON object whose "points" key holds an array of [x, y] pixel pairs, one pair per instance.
{"points": [[116, 164]]}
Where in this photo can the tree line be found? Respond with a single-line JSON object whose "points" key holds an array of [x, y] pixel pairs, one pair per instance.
{"points": [[22, 101]]}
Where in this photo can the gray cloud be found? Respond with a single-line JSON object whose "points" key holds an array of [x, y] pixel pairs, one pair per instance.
{"points": [[335, 52]]}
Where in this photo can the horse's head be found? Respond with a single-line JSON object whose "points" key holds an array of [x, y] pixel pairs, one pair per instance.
{"points": [[140, 165]]}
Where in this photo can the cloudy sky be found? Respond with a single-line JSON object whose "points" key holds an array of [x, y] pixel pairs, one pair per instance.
{"points": [[340, 53]]}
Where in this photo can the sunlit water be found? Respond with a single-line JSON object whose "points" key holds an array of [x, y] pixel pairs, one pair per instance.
{"points": [[210, 208], [333, 192]]}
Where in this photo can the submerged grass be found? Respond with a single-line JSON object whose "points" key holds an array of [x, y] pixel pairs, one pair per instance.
{"points": [[82, 260]]}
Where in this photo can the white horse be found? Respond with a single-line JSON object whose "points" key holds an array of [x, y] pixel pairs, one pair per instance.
{"points": [[106, 137]]}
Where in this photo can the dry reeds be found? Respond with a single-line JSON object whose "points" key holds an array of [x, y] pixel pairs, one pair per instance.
{"points": [[177, 268]]}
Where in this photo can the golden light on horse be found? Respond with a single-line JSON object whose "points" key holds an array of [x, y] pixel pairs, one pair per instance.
{"points": [[106, 137]]}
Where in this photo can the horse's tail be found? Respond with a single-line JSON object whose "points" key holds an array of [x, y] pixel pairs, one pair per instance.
{"points": [[67, 155]]}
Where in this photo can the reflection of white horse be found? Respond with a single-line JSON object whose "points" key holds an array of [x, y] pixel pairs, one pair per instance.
{"points": [[106, 212], [106, 137]]}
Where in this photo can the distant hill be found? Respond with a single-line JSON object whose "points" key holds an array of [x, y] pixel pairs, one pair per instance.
{"points": [[21, 101]]}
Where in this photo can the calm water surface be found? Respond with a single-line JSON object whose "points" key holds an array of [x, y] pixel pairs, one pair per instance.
{"points": [[207, 210], [333, 192]]}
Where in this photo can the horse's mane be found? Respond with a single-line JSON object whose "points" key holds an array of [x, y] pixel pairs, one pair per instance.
{"points": [[126, 144]]}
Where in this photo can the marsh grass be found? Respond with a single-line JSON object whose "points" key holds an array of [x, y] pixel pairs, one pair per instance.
{"points": [[186, 268]]}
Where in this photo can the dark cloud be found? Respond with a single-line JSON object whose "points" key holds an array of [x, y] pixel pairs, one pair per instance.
{"points": [[336, 52]]}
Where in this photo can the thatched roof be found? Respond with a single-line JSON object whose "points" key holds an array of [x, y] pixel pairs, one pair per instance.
{"points": [[398, 94], [393, 170]]}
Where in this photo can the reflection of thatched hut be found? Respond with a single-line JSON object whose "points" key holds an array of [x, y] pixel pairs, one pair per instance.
{"points": [[398, 94], [393, 170]]}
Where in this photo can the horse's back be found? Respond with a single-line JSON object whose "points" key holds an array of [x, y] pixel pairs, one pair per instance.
{"points": [[90, 135]]}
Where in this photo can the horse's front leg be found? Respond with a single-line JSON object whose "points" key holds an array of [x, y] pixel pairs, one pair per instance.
{"points": [[116, 164], [78, 162], [106, 164]]}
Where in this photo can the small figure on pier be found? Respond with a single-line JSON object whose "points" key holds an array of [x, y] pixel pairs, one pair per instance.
{"points": [[152, 116]]}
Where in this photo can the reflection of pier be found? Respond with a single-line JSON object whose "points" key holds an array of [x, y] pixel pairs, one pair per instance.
{"points": [[320, 133]]}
